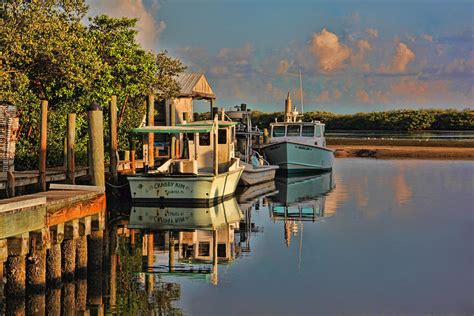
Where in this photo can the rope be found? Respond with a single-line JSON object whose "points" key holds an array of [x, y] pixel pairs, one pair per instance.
{"points": [[116, 186]]}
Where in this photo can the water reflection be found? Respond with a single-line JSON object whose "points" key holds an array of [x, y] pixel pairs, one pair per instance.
{"points": [[300, 199]]}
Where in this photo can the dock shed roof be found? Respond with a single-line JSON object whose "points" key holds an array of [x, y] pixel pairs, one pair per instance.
{"points": [[195, 85]]}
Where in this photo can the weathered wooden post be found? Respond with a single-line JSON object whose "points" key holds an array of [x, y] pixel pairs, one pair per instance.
{"points": [[43, 144], [68, 250], [71, 138], [53, 257], [222, 114], [113, 138], [215, 129], [68, 295], [11, 184], [195, 117], [3, 258], [126, 158], [173, 136], [81, 247], [150, 105], [211, 110], [132, 156], [96, 140], [65, 153], [36, 272], [16, 265]]}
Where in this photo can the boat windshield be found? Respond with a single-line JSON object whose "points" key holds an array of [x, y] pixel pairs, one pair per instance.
{"points": [[308, 131], [278, 131], [293, 130], [318, 131]]}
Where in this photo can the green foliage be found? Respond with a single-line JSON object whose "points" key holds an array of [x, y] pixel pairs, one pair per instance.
{"points": [[48, 53], [400, 120]]}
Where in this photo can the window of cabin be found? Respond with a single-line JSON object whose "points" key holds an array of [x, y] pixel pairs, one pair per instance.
{"points": [[278, 131], [221, 250], [293, 130], [222, 136], [190, 136], [318, 131], [308, 131], [204, 139], [204, 249]]}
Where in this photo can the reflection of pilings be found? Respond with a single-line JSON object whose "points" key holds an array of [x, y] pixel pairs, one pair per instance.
{"points": [[214, 278], [95, 243], [94, 268], [113, 265], [81, 295], [171, 251], [15, 306], [150, 262], [53, 301], [68, 299], [35, 303]]}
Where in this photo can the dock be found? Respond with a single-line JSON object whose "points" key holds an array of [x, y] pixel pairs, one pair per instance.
{"points": [[48, 239]]}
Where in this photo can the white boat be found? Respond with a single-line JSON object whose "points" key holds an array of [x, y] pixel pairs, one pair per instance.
{"points": [[207, 174], [297, 146], [256, 169]]}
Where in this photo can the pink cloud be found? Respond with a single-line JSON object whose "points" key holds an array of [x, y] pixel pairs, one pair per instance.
{"points": [[328, 52]]}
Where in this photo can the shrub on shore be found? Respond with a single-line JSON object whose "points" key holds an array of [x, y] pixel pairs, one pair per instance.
{"points": [[397, 120]]}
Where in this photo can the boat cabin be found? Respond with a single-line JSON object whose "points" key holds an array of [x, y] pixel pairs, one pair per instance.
{"points": [[306, 132], [206, 147]]}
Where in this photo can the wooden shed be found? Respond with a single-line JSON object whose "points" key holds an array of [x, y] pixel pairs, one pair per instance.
{"points": [[194, 86]]}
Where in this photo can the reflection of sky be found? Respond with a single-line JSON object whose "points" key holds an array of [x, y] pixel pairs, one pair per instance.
{"points": [[400, 241]]}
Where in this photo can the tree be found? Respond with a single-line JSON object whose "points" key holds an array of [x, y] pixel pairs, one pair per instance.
{"points": [[48, 53]]}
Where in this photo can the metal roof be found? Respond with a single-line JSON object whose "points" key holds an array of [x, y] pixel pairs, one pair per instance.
{"points": [[195, 85], [172, 129]]}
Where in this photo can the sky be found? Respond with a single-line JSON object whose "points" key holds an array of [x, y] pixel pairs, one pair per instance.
{"points": [[354, 56]]}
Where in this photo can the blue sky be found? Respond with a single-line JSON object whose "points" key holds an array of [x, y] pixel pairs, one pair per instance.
{"points": [[354, 55]]}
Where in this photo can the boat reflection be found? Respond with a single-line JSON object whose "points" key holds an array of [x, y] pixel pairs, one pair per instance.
{"points": [[194, 240], [300, 199]]}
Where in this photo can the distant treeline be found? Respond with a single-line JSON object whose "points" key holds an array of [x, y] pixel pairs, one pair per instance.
{"points": [[399, 120]]}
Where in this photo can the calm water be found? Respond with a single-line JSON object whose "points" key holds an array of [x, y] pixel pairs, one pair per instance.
{"points": [[422, 135], [373, 237], [392, 237]]}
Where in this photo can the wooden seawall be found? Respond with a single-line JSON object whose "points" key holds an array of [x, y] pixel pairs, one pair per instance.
{"points": [[48, 239]]}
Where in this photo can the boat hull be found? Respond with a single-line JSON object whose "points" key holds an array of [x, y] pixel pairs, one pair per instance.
{"points": [[252, 176], [183, 189], [294, 157]]}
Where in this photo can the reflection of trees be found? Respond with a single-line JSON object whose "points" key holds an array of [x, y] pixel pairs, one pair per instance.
{"points": [[132, 298]]}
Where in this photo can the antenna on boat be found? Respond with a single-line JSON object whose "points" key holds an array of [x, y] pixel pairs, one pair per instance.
{"points": [[301, 93]]}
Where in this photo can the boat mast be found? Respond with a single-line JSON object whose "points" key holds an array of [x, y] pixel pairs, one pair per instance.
{"points": [[301, 93]]}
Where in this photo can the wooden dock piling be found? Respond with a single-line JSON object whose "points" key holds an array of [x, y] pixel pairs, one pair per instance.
{"points": [[96, 139], [71, 138], [43, 144], [113, 138], [150, 106]]}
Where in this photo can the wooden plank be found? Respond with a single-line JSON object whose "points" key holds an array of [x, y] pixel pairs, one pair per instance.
{"points": [[20, 203], [83, 209], [58, 186], [22, 221]]}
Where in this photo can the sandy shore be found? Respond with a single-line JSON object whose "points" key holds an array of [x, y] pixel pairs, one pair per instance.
{"points": [[407, 152]]}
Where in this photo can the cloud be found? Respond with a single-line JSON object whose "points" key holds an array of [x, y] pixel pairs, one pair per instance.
{"points": [[283, 66], [357, 59], [362, 96], [148, 27], [237, 56], [427, 38], [328, 52], [327, 97], [411, 38], [420, 91], [402, 56], [372, 32]]}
